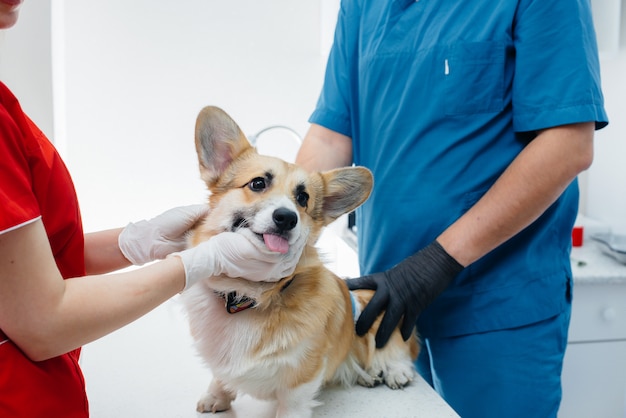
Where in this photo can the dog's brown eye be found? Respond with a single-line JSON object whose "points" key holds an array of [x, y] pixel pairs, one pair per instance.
{"points": [[302, 198], [257, 184]]}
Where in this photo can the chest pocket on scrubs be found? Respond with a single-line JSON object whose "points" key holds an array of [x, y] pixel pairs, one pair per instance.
{"points": [[474, 78]]}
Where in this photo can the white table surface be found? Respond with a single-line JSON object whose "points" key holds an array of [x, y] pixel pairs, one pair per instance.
{"points": [[591, 265], [149, 369]]}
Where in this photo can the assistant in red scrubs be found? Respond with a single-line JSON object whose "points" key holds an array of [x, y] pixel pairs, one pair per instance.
{"points": [[33, 180]]}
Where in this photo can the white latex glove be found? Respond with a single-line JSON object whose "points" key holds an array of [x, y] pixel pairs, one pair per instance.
{"points": [[235, 255], [145, 241]]}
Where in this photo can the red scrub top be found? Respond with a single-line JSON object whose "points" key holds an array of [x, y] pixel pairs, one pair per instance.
{"points": [[35, 183]]}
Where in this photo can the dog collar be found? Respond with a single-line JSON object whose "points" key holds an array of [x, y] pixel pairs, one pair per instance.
{"points": [[356, 311], [235, 304]]}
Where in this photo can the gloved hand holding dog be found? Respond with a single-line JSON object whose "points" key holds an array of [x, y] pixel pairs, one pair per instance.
{"points": [[227, 253], [235, 255], [405, 290], [145, 241]]}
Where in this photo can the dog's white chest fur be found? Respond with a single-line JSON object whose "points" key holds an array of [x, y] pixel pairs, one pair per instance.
{"points": [[242, 358]]}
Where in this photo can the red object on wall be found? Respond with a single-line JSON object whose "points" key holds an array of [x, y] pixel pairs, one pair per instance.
{"points": [[577, 236]]}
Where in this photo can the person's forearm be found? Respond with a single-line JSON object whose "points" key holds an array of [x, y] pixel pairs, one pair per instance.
{"points": [[46, 316], [102, 252], [93, 306], [532, 183], [323, 149]]}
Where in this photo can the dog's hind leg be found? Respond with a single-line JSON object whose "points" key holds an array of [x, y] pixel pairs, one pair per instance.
{"points": [[217, 398], [393, 363]]}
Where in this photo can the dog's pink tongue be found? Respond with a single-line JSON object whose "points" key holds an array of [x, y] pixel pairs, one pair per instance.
{"points": [[276, 243]]}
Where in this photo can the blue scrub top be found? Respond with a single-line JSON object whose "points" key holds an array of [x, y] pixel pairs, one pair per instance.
{"points": [[439, 97]]}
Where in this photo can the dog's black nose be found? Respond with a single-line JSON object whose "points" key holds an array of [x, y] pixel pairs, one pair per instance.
{"points": [[285, 219]]}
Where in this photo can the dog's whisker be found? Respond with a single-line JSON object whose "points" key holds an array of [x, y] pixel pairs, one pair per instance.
{"points": [[241, 222]]}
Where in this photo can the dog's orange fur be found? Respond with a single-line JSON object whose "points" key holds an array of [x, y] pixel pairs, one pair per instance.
{"points": [[300, 335]]}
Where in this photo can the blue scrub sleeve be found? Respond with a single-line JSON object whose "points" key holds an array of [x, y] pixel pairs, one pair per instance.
{"points": [[556, 66]]}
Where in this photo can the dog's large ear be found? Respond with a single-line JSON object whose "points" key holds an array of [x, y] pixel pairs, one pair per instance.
{"points": [[219, 140], [346, 189]]}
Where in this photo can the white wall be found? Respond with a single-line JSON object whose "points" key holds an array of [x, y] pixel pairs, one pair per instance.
{"points": [[606, 194], [130, 77], [606, 185], [26, 64], [137, 73]]}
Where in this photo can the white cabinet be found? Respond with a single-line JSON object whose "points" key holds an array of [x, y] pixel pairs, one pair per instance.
{"points": [[594, 380], [594, 369], [598, 313]]}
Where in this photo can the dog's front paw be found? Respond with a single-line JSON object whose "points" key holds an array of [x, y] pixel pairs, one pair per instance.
{"points": [[370, 379], [216, 399], [210, 403]]}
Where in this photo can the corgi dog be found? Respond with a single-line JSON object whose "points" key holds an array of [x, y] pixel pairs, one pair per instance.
{"points": [[283, 340]]}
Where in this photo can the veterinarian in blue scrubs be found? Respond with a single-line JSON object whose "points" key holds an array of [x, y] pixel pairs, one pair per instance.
{"points": [[475, 118]]}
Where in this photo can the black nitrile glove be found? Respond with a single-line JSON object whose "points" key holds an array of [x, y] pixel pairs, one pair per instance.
{"points": [[405, 290]]}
